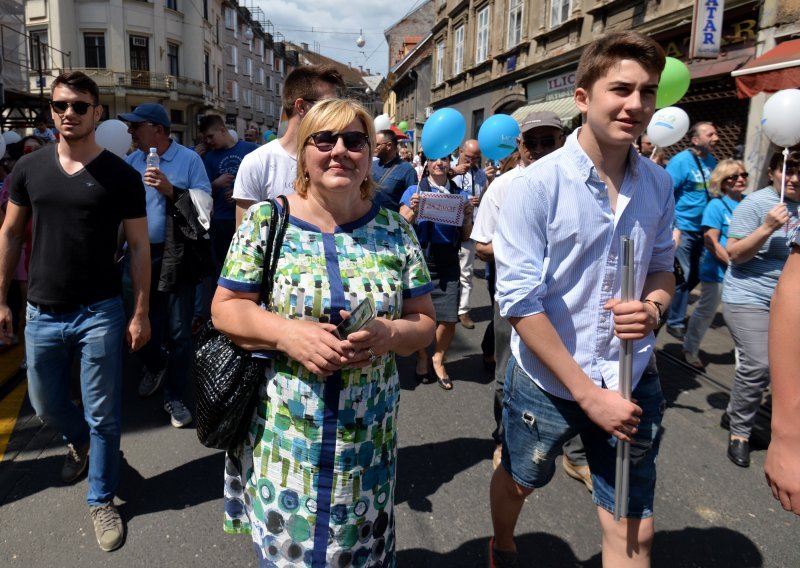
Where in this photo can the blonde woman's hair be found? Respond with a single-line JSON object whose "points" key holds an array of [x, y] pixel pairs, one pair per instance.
{"points": [[724, 169], [334, 115]]}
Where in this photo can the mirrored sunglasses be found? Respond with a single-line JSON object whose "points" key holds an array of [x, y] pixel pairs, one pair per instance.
{"points": [[80, 107], [325, 140]]}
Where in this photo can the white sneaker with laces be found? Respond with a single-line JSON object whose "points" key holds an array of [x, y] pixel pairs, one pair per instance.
{"points": [[179, 414]]}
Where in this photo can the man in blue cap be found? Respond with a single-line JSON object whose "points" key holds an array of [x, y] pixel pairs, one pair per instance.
{"points": [[168, 356]]}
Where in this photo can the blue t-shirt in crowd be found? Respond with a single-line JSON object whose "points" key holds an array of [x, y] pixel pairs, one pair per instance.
{"points": [[717, 215], [429, 232], [393, 178], [227, 161], [691, 195], [753, 282]]}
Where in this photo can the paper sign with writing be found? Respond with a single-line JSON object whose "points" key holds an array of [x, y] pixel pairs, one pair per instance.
{"points": [[443, 208]]}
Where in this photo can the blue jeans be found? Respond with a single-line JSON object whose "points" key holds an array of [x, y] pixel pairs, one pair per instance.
{"points": [[688, 255], [537, 424], [95, 333]]}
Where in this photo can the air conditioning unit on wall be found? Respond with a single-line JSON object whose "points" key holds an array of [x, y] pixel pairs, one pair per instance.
{"points": [[428, 112]]}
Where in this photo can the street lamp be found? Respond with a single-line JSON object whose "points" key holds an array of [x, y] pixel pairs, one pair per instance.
{"points": [[360, 42]]}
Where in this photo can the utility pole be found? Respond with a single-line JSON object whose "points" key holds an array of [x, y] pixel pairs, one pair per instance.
{"points": [[41, 76]]}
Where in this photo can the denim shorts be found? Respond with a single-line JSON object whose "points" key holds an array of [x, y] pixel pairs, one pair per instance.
{"points": [[537, 424]]}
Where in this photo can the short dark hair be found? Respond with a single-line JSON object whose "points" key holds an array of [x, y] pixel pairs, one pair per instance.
{"points": [[304, 82], [389, 135], [695, 129], [78, 81], [776, 162], [602, 54], [211, 121]]}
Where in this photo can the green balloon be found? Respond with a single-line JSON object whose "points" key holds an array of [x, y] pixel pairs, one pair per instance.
{"points": [[403, 125], [673, 84]]}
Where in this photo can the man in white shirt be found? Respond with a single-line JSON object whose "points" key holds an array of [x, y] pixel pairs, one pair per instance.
{"points": [[470, 178], [540, 134], [271, 170]]}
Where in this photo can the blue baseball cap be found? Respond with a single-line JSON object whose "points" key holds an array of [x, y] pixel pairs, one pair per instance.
{"points": [[148, 112]]}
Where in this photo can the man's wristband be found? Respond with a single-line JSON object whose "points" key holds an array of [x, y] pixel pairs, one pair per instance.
{"points": [[660, 314]]}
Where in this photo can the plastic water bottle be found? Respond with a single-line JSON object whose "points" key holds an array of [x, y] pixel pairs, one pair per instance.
{"points": [[152, 159]]}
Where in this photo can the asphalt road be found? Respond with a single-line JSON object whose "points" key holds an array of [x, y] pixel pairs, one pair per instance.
{"points": [[709, 513]]}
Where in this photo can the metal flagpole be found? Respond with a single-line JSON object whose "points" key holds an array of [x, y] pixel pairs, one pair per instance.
{"points": [[621, 481]]}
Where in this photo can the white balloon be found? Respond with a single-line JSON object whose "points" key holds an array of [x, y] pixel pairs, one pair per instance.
{"points": [[668, 125], [113, 135], [2, 147], [233, 134], [781, 119], [10, 137], [383, 122]]}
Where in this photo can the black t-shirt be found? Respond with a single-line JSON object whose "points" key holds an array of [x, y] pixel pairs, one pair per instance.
{"points": [[75, 222]]}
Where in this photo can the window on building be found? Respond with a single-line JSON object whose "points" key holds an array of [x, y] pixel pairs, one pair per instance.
{"points": [[268, 56], [514, 23], [230, 18], [270, 108], [559, 12], [38, 49], [172, 59], [260, 103], [279, 89], [278, 66], [458, 51], [234, 58], [94, 45], [439, 62], [268, 83], [260, 78], [247, 97], [258, 47], [235, 91], [176, 116], [206, 68], [248, 67], [205, 9], [477, 122], [171, 4], [482, 39]]}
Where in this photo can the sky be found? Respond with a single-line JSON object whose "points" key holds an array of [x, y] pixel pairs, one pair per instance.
{"points": [[333, 26]]}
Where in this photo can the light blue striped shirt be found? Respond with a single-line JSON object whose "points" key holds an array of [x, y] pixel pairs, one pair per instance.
{"points": [[556, 249]]}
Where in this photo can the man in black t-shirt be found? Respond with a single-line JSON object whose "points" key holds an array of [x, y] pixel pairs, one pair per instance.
{"points": [[78, 194]]}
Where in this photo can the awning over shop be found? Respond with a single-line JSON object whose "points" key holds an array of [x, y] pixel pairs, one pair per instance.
{"points": [[777, 69], [564, 107]]}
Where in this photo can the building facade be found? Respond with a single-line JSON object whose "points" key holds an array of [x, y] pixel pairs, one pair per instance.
{"points": [[137, 51], [515, 56], [256, 64]]}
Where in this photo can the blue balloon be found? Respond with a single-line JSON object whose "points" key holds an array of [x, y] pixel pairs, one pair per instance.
{"points": [[443, 133], [497, 137]]}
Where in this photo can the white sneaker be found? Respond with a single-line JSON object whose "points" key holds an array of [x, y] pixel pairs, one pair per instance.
{"points": [[179, 414]]}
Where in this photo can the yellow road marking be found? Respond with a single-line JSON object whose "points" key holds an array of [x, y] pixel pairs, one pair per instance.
{"points": [[9, 411]]}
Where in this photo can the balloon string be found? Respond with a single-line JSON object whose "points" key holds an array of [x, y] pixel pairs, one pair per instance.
{"points": [[783, 173], [653, 153]]}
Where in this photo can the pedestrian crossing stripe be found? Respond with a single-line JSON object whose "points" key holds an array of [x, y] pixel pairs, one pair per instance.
{"points": [[9, 411]]}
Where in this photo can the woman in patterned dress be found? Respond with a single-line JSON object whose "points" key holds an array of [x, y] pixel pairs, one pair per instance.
{"points": [[313, 482]]}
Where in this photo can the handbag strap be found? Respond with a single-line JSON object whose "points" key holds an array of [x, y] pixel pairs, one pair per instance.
{"points": [[272, 252]]}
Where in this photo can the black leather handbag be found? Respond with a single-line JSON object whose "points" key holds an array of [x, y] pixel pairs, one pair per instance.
{"points": [[226, 376]]}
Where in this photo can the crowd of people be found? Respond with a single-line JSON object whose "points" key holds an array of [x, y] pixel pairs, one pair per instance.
{"points": [[111, 262]]}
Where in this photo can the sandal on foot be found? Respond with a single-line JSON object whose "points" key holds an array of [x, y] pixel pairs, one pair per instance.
{"points": [[445, 383], [422, 378]]}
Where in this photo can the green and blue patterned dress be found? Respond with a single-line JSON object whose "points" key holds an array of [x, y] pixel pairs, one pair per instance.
{"points": [[314, 481]]}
